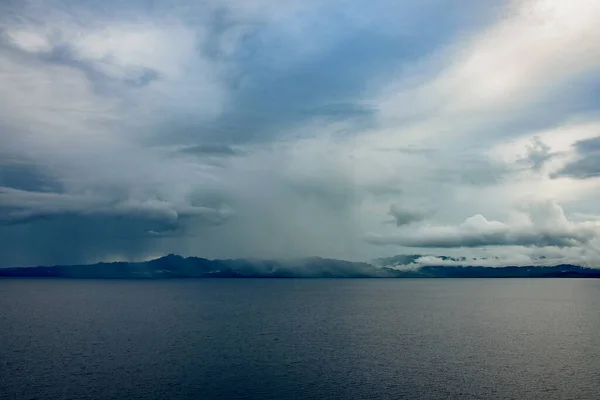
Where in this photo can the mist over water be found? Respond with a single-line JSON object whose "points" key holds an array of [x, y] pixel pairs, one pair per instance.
{"points": [[309, 339]]}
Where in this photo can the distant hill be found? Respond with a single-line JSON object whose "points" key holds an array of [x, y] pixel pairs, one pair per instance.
{"points": [[173, 266]]}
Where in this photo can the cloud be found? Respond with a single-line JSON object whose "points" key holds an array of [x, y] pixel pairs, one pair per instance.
{"points": [[584, 168], [20, 173], [21, 206], [546, 226], [495, 79], [286, 129], [210, 149], [587, 164], [538, 154], [404, 216], [495, 257]]}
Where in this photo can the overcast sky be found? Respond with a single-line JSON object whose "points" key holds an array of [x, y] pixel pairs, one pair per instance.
{"points": [[267, 128]]}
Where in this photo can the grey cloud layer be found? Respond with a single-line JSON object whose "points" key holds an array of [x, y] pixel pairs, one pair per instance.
{"points": [[279, 129], [588, 163], [504, 236], [20, 206], [406, 217]]}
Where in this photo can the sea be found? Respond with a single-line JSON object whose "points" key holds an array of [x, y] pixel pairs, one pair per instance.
{"points": [[300, 339]]}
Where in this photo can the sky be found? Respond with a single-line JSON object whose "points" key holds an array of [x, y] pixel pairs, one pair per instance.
{"points": [[282, 129]]}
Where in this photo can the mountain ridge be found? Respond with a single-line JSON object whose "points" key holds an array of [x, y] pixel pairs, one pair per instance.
{"points": [[175, 266]]}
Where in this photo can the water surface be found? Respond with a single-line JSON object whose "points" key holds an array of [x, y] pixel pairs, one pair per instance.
{"points": [[305, 339]]}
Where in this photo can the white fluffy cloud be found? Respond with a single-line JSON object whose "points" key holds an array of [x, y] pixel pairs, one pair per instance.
{"points": [[541, 225]]}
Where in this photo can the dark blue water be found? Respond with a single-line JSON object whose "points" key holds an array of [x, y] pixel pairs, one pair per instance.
{"points": [[300, 339]]}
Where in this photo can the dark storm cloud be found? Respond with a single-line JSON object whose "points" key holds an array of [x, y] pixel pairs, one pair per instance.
{"points": [[75, 239], [51, 228], [587, 165], [23, 174]]}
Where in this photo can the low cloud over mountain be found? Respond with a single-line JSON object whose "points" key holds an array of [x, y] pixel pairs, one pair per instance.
{"points": [[408, 266]]}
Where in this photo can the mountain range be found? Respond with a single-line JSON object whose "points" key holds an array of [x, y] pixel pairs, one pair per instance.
{"points": [[174, 266]]}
